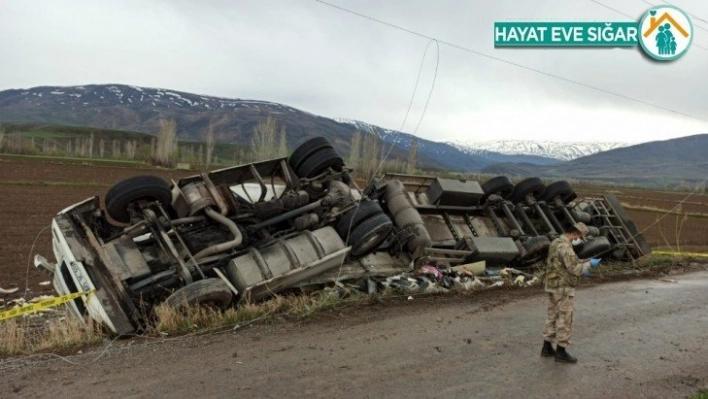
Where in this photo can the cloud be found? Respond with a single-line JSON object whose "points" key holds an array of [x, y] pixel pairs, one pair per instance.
{"points": [[332, 63]]}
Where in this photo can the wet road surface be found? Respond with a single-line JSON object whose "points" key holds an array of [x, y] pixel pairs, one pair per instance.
{"points": [[642, 338]]}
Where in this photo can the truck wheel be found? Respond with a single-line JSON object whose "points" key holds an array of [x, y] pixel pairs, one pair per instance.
{"points": [[532, 186], [211, 292], [353, 218], [560, 189], [318, 162], [306, 149], [594, 247], [369, 235], [497, 185], [146, 188], [536, 250]]}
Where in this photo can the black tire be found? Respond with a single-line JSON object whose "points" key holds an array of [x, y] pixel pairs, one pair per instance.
{"points": [[149, 188], [211, 291], [369, 235], [354, 217], [318, 162], [594, 247], [304, 150], [536, 250], [560, 189], [533, 186], [500, 185]]}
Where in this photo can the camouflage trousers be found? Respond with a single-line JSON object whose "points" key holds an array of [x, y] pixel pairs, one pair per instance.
{"points": [[559, 321]]}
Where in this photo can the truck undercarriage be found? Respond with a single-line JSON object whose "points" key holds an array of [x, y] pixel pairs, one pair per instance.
{"points": [[246, 232]]}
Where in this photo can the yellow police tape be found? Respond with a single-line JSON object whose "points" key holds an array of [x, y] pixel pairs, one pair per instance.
{"points": [[47, 303], [697, 254]]}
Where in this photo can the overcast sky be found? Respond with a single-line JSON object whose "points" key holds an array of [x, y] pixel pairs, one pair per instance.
{"points": [[331, 63]]}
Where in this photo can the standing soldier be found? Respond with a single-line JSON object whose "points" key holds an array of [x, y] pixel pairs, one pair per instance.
{"points": [[563, 271]]}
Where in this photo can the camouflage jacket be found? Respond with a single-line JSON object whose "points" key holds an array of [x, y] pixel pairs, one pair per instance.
{"points": [[563, 268]]}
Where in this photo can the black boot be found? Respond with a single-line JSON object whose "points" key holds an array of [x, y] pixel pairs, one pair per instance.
{"points": [[563, 356], [547, 350]]}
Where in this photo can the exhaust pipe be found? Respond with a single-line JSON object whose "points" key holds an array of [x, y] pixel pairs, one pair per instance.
{"points": [[225, 246]]}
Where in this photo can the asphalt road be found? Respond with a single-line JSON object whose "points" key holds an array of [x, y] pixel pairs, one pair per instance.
{"points": [[634, 339]]}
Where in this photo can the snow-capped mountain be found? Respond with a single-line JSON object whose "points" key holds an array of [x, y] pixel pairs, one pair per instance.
{"points": [[549, 149]]}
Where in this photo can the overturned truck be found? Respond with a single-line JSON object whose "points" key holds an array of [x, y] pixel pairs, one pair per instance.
{"points": [[246, 232]]}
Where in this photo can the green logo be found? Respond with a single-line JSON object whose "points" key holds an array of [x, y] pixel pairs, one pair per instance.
{"points": [[565, 34], [665, 33]]}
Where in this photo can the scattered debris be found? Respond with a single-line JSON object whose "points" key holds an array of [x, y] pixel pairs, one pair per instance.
{"points": [[8, 291]]}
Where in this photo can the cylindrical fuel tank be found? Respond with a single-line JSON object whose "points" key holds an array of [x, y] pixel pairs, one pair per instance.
{"points": [[406, 216], [282, 256]]}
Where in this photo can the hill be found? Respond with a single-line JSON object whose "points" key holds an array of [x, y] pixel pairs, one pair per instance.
{"points": [[656, 164], [140, 109]]}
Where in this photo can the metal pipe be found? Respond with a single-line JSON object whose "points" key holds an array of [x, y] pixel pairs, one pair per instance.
{"points": [[512, 219], [497, 223], [525, 218], [151, 280], [238, 237], [540, 213], [287, 215], [555, 221], [187, 220], [258, 177], [567, 214], [448, 251]]}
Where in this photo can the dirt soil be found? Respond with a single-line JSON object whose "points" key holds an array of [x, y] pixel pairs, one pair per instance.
{"points": [[33, 192], [641, 337]]}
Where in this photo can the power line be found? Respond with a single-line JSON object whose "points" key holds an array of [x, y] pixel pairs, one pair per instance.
{"points": [[420, 69], [481, 54], [692, 15], [629, 16], [425, 108], [666, 2]]}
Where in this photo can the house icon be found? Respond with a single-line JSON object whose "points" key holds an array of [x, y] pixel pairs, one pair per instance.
{"points": [[655, 23]]}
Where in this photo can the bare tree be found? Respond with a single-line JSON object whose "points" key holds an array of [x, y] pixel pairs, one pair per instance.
{"points": [[371, 150], [354, 151], [131, 148], [283, 147], [101, 147], [115, 148], [209, 144], [412, 152], [2, 136], [166, 140], [89, 146], [263, 141]]}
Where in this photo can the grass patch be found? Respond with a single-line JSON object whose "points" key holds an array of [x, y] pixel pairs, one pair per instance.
{"points": [[644, 208], [82, 161], [702, 394], [20, 336], [192, 318], [51, 183]]}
